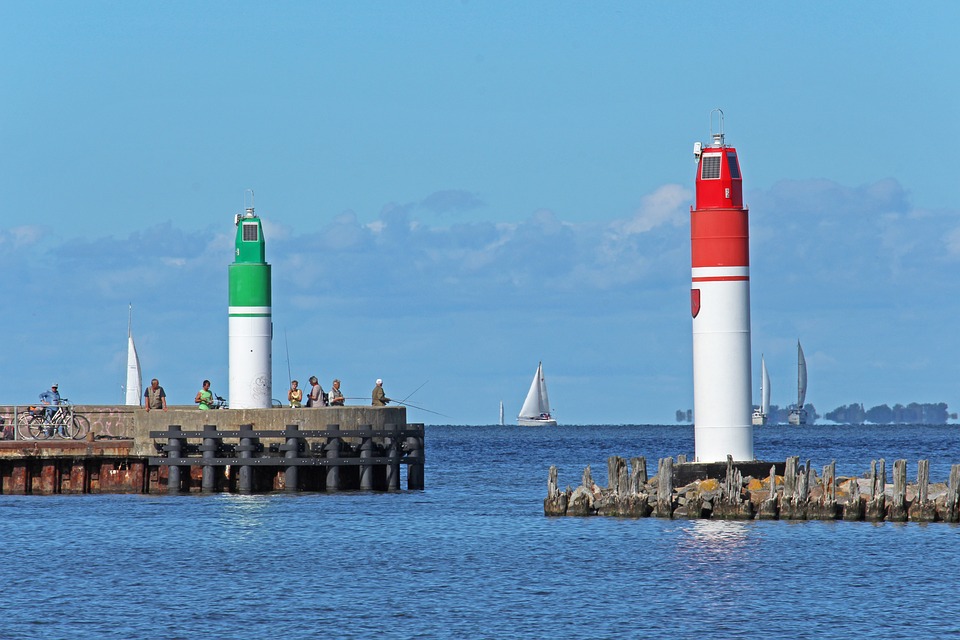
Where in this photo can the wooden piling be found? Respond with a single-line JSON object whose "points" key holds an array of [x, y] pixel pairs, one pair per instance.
{"points": [[897, 510], [876, 508], [664, 505], [922, 509]]}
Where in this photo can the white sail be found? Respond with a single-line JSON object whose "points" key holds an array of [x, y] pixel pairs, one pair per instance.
{"points": [[536, 407], [801, 377], [764, 388], [531, 405], [501, 413], [134, 381], [544, 399]]}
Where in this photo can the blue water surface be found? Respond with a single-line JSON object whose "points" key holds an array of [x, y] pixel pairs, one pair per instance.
{"points": [[474, 556]]}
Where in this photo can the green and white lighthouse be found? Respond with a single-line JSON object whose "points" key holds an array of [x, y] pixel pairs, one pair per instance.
{"points": [[251, 318]]}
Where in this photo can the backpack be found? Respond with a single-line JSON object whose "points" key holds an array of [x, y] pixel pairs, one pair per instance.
{"points": [[324, 399]]}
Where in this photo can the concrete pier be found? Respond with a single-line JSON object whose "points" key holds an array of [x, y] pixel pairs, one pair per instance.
{"points": [[183, 449]]}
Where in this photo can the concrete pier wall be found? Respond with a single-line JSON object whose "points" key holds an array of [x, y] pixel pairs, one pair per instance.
{"points": [[134, 423]]}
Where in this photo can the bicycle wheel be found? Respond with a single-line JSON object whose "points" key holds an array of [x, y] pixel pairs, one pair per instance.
{"points": [[78, 428], [23, 425], [33, 427]]}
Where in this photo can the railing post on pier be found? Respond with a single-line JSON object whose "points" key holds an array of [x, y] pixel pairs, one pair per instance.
{"points": [[415, 455], [291, 451], [246, 448], [393, 458], [209, 448], [332, 451], [366, 452], [174, 451]]}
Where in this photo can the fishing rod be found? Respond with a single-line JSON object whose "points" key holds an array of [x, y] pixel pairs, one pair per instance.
{"points": [[287, 345], [414, 391], [413, 406], [406, 404]]}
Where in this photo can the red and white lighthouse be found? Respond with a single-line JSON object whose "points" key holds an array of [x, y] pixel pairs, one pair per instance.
{"points": [[720, 304]]}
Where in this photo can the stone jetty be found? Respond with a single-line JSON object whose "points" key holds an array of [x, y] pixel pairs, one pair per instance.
{"points": [[789, 491]]}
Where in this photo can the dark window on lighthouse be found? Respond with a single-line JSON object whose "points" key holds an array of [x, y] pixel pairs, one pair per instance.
{"points": [[250, 232], [711, 168], [733, 165]]}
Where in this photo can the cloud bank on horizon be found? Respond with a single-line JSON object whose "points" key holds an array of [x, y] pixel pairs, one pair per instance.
{"points": [[472, 306]]}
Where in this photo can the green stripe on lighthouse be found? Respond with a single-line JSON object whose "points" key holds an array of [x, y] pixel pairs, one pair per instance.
{"points": [[249, 273]]}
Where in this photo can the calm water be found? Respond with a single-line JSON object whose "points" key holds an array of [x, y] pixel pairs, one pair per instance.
{"points": [[473, 555]]}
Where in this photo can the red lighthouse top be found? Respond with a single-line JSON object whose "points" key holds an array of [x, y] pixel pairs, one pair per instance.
{"points": [[719, 185]]}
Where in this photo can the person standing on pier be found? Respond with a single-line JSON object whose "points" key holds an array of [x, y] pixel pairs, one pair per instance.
{"points": [[336, 396], [155, 397], [380, 398], [315, 399], [204, 397], [295, 395], [51, 398]]}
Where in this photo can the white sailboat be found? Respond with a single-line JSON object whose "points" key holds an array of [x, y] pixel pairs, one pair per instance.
{"points": [[760, 415], [134, 381], [798, 414], [536, 408]]}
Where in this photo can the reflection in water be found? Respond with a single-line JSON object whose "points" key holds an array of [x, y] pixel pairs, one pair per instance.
{"points": [[245, 512], [711, 541]]}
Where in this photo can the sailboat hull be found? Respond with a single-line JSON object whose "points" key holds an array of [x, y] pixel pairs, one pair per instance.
{"points": [[759, 419], [536, 422]]}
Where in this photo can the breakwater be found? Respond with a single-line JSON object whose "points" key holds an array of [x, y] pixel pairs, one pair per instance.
{"points": [[243, 451], [735, 491]]}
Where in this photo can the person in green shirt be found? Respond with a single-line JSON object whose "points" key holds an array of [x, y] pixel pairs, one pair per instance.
{"points": [[204, 397]]}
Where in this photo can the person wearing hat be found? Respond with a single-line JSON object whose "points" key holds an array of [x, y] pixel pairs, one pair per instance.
{"points": [[380, 399], [52, 398]]}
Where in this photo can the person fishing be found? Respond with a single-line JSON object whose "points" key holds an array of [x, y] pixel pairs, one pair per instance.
{"points": [[335, 397], [204, 397], [295, 395], [380, 398]]}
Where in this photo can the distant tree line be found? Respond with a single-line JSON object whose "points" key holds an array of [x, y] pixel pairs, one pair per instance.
{"points": [[913, 413]]}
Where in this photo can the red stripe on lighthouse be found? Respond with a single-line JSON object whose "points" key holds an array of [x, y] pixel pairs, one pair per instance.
{"points": [[720, 238]]}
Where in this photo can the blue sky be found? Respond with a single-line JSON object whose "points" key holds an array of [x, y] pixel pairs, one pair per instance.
{"points": [[455, 191]]}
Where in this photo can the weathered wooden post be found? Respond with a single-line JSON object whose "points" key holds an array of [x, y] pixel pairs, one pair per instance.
{"points": [[615, 464], [853, 510], [555, 504], [951, 504], [246, 449], [789, 502], [664, 508], [291, 451], [393, 458], [768, 507], [922, 509], [638, 475], [208, 451], [876, 508], [415, 456], [332, 453], [174, 451], [732, 506], [366, 452], [826, 507], [898, 505]]}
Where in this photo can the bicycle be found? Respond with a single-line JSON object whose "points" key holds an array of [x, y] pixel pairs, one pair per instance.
{"points": [[37, 424]]}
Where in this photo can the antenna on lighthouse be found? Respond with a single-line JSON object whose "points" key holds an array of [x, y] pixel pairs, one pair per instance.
{"points": [[717, 134], [249, 209]]}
